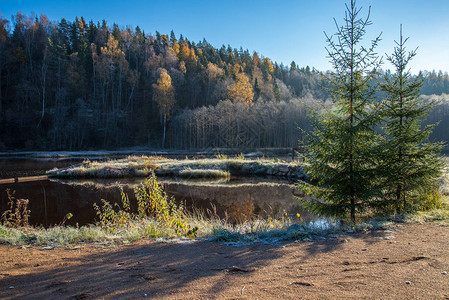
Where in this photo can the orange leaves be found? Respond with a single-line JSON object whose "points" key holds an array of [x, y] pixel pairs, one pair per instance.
{"points": [[187, 53], [241, 90], [164, 93], [175, 48], [256, 59], [236, 69], [112, 49]]}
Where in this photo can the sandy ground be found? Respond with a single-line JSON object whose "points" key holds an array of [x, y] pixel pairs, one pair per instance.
{"points": [[408, 262]]}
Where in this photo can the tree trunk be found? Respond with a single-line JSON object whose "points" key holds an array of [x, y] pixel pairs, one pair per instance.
{"points": [[163, 135], [44, 77], [1, 100]]}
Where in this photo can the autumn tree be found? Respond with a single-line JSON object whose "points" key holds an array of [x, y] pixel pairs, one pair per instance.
{"points": [[84, 80], [213, 73], [114, 67], [241, 90], [164, 96]]}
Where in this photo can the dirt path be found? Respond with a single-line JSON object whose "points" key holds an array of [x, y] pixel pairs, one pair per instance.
{"points": [[408, 262]]}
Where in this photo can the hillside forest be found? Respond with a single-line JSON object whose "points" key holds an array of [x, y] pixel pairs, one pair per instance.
{"points": [[70, 85]]}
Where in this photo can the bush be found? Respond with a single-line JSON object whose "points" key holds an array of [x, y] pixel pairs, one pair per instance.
{"points": [[152, 201], [153, 204], [18, 214]]}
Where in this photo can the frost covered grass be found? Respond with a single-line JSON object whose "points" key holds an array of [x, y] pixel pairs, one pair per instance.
{"points": [[66, 235], [203, 173], [141, 166], [132, 166], [210, 228], [282, 231]]}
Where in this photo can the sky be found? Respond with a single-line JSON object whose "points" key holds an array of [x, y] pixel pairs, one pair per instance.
{"points": [[283, 30]]}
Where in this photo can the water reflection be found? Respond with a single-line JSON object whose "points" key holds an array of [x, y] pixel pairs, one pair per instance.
{"points": [[21, 167], [242, 211], [45, 206], [238, 200]]}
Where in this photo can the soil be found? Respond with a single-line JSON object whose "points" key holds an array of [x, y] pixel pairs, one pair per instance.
{"points": [[408, 261]]}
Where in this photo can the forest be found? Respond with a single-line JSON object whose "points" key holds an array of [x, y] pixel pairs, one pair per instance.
{"points": [[75, 85]]}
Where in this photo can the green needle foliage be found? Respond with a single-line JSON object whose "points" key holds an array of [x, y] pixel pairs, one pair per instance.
{"points": [[340, 150], [411, 165]]}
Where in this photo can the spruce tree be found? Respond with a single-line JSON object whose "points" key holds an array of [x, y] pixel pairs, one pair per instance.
{"points": [[411, 165], [339, 151]]}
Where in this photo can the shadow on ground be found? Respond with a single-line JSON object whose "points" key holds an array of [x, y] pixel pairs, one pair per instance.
{"points": [[156, 269]]}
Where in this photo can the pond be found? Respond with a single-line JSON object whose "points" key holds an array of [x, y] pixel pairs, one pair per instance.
{"points": [[238, 199]]}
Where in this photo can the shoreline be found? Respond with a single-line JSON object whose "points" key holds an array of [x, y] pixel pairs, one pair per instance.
{"points": [[139, 151]]}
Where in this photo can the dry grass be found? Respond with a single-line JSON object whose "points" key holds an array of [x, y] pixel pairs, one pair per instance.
{"points": [[203, 173], [141, 166]]}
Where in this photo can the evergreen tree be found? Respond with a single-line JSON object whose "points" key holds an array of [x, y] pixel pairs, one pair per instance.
{"points": [[339, 150], [256, 89], [276, 91], [411, 165]]}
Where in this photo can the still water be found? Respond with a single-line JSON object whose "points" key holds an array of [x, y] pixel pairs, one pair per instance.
{"points": [[238, 200]]}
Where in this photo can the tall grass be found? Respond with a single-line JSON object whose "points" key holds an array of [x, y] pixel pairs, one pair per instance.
{"points": [[17, 214]]}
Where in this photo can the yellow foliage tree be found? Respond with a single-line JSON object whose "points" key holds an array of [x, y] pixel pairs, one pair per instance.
{"points": [[256, 59], [112, 68], [164, 96], [213, 71], [241, 90], [184, 51], [236, 69], [175, 47]]}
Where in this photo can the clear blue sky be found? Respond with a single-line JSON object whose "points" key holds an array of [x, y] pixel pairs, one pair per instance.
{"points": [[283, 30]]}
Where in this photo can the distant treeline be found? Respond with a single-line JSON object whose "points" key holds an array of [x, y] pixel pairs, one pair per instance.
{"points": [[79, 85]]}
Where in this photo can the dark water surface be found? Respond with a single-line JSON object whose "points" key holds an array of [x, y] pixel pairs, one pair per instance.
{"points": [[239, 199], [23, 167]]}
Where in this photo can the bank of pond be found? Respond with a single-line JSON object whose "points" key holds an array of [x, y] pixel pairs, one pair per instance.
{"points": [[224, 198], [236, 189]]}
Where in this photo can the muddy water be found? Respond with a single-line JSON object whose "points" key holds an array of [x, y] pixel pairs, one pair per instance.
{"points": [[238, 200]]}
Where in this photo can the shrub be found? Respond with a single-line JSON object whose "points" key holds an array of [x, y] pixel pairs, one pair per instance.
{"points": [[18, 214], [152, 201], [112, 219]]}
